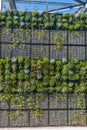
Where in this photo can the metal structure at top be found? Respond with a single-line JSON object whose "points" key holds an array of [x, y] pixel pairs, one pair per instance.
{"points": [[80, 6]]}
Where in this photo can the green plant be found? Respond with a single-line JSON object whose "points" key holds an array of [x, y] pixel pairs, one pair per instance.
{"points": [[9, 24], [27, 17], [7, 71], [46, 21], [58, 89], [52, 82], [64, 87], [77, 26], [71, 27], [20, 59], [40, 19], [21, 13], [34, 13], [22, 18], [9, 18], [13, 76], [7, 78], [64, 20], [21, 75], [41, 34], [45, 60], [15, 22], [46, 25], [2, 17], [58, 40], [7, 66]]}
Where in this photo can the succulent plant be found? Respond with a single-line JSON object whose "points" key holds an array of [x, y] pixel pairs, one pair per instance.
{"points": [[39, 76], [52, 61], [71, 84], [21, 75], [22, 23], [13, 76], [26, 71], [20, 59], [45, 60], [1, 87], [15, 17], [13, 59], [15, 22], [9, 24], [64, 60], [71, 72]]}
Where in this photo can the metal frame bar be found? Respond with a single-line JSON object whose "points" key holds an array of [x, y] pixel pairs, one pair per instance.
{"points": [[42, 2]]}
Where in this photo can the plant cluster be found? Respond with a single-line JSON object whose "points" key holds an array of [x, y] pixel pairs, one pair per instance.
{"points": [[42, 75], [35, 19]]}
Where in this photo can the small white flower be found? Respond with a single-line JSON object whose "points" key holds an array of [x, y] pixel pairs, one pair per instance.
{"points": [[64, 60], [26, 71], [70, 84], [15, 17], [52, 61], [14, 59], [59, 24], [40, 12], [39, 76], [19, 89], [22, 23], [71, 72]]}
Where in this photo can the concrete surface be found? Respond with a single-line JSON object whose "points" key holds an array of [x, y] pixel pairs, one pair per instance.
{"points": [[47, 128]]}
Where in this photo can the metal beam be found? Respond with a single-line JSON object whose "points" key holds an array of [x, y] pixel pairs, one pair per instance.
{"points": [[12, 5], [79, 1], [65, 8], [42, 2]]}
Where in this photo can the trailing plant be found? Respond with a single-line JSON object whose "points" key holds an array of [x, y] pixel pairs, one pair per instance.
{"points": [[58, 39]]}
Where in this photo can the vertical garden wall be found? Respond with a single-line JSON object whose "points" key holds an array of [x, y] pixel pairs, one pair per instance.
{"points": [[43, 69]]}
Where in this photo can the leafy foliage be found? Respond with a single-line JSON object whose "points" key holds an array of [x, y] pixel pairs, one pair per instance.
{"points": [[45, 20], [43, 74]]}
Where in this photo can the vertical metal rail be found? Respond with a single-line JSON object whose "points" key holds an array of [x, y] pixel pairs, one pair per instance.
{"points": [[86, 79], [9, 101], [30, 61], [67, 46], [49, 72], [9, 113], [86, 106], [49, 37], [67, 110], [11, 43], [0, 41], [48, 108], [85, 46], [28, 116], [31, 40]]}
